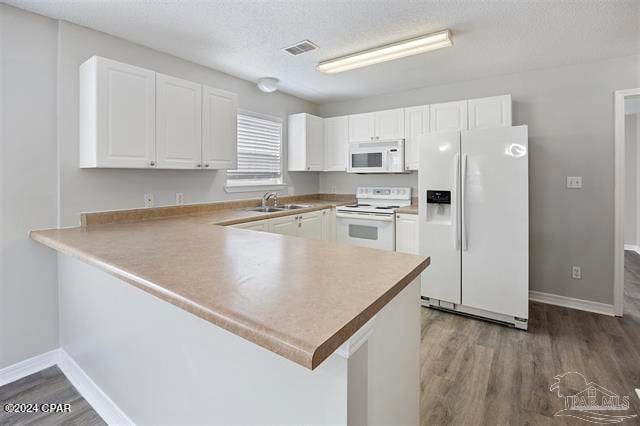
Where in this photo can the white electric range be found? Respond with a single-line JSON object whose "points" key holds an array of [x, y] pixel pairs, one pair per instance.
{"points": [[371, 221]]}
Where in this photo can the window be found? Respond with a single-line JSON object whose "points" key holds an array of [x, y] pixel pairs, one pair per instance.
{"points": [[259, 151]]}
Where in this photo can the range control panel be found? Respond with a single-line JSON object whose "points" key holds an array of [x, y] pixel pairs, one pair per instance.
{"points": [[384, 193], [438, 197]]}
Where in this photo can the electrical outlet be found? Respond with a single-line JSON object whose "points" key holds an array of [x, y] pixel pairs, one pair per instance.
{"points": [[334, 189], [576, 272], [179, 198], [149, 200], [574, 182]]}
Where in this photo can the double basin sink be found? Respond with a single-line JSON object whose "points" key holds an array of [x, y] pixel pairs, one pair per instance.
{"points": [[284, 207]]}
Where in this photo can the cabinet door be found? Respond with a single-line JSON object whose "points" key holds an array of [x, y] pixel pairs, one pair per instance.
{"points": [[310, 225], [416, 125], [178, 123], [362, 127], [486, 113], [315, 139], [407, 233], [219, 129], [258, 225], [449, 116], [117, 115], [328, 224], [286, 225], [389, 124], [336, 137]]}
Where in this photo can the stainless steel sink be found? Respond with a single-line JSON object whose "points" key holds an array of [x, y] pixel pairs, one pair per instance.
{"points": [[266, 209]]}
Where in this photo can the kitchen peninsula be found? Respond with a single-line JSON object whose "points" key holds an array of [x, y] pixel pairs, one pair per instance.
{"points": [[180, 320]]}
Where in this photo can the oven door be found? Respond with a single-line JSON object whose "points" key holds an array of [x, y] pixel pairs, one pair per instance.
{"points": [[368, 160], [366, 230]]}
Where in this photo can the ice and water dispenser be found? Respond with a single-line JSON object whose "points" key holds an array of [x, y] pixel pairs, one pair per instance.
{"points": [[439, 207]]}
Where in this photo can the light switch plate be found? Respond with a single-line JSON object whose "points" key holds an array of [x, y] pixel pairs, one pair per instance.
{"points": [[574, 182]]}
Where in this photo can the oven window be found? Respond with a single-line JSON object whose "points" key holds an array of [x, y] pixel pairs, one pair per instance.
{"points": [[363, 232], [368, 159]]}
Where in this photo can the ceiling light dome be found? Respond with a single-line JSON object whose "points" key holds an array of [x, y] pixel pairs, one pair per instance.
{"points": [[268, 84]]}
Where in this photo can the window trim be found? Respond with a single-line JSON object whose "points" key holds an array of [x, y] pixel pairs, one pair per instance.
{"points": [[248, 185]]}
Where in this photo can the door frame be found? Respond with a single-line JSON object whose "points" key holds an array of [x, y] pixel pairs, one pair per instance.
{"points": [[619, 158]]}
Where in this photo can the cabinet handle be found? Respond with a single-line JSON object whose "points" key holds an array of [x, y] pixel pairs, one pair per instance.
{"points": [[206, 165], [308, 168], [198, 165], [152, 163]]}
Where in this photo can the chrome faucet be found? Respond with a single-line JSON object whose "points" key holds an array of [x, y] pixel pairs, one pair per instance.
{"points": [[267, 196]]}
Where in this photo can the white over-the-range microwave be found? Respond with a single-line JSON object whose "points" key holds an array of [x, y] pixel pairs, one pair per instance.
{"points": [[376, 157]]}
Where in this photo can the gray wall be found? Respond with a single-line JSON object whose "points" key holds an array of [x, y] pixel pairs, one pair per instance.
{"points": [[569, 111], [91, 190], [632, 138], [28, 276]]}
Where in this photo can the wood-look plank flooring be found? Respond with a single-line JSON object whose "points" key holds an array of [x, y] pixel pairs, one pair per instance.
{"points": [[478, 373], [47, 386]]}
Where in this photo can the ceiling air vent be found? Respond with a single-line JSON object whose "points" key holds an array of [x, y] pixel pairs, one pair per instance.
{"points": [[300, 47]]}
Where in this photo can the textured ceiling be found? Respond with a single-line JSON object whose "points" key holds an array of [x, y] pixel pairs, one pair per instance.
{"points": [[244, 38]]}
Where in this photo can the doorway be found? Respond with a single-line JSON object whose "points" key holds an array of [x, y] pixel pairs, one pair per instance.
{"points": [[627, 187]]}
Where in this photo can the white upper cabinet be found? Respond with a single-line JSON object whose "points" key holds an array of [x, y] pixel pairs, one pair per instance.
{"points": [[336, 138], [485, 113], [219, 129], [374, 126], [117, 115], [389, 124], [416, 125], [305, 147], [178, 123], [362, 127], [448, 116]]}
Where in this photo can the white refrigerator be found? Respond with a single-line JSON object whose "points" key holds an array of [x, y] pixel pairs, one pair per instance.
{"points": [[474, 222]]}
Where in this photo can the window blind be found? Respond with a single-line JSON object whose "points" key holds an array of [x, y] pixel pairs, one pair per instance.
{"points": [[259, 150]]}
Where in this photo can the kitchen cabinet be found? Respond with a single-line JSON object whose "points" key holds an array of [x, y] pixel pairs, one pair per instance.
{"points": [[305, 142], [362, 127], [407, 233], [117, 115], [219, 129], [379, 125], [389, 124], [178, 123], [486, 113], [310, 225], [448, 116], [131, 117], [336, 138], [329, 224], [285, 225], [416, 125], [257, 225]]}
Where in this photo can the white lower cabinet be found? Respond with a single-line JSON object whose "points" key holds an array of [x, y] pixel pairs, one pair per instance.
{"points": [[407, 233], [258, 225], [316, 225]]}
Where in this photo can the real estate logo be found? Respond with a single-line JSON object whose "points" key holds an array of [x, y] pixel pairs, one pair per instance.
{"points": [[589, 401]]}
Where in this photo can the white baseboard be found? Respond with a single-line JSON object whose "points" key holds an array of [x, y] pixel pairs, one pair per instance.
{"points": [[101, 403], [632, 247], [570, 302], [27, 367]]}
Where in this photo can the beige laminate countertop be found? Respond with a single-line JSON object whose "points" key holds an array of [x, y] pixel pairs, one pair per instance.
{"points": [[407, 210], [296, 297]]}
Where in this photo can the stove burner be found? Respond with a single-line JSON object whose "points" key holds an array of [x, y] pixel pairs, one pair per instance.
{"points": [[387, 207], [359, 205]]}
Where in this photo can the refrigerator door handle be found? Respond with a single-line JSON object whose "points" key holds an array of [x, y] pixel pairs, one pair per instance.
{"points": [[456, 207], [465, 231]]}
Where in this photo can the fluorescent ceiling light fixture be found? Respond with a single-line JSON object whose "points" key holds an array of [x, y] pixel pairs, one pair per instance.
{"points": [[388, 52]]}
